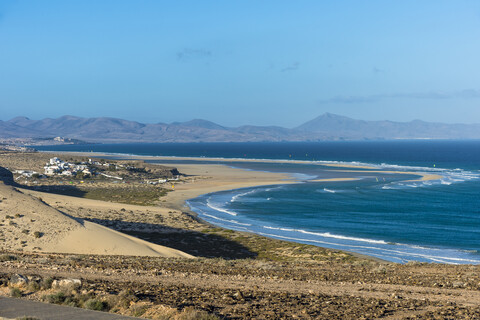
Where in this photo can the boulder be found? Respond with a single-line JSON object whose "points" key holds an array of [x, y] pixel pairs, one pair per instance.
{"points": [[66, 283], [18, 280]]}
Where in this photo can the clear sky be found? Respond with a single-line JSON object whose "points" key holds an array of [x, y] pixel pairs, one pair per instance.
{"points": [[238, 62]]}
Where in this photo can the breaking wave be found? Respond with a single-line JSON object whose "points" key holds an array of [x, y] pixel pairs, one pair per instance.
{"points": [[327, 235], [217, 208]]}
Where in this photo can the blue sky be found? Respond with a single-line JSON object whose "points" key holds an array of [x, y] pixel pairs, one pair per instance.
{"points": [[238, 62]]}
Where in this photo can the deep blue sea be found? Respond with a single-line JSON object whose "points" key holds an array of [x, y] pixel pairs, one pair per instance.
{"points": [[383, 214]]}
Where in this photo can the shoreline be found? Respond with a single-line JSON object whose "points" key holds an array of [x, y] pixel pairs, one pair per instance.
{"points": [[206, 178]]}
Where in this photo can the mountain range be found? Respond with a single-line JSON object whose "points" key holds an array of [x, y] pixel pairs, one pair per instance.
{"points": [[325, 127]]}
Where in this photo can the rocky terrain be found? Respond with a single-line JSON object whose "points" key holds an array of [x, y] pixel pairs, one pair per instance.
{"points": [[253, 289]]}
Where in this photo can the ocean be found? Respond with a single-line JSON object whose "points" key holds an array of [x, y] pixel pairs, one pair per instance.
{"points": [[388, 214]]}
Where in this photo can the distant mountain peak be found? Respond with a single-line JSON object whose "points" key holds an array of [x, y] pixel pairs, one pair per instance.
{"points": [[328, 126], [201, 123], [20, 121], [329, 115], [19, 118], [326, 122]]}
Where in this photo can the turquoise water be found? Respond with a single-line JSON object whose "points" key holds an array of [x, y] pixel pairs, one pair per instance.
{"points": [[381, 214]]}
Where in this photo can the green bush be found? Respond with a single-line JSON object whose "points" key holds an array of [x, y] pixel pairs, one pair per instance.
{"points": [[138, 311], [46, 283], [95, 304], [34, 286], [57, 298], [191, 313], [15, 292]]}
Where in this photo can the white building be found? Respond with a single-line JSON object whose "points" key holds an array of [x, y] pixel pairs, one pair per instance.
{"points": [[55, 161], [26, 173], [51, 170]]}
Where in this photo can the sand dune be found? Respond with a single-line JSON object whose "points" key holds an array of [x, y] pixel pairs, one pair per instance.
{"points": [[92, 238], [27, 223]]}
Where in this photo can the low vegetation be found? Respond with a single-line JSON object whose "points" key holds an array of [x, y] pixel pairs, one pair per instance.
{"points": [[138, 194], [125, 302], [16, 292], [8, 257]]}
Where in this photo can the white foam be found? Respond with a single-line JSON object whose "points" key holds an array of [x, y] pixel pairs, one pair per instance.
{"points": [[449, 176], [335, 236], [278, 228], [235, 197], [453, 175], [320, 242], [329, 190], [274, 188], [225, 220], [214, 207], [327, 235]]}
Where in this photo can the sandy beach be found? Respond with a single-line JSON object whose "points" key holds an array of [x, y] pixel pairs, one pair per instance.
{"points": [[208, 178], [424, 176]]}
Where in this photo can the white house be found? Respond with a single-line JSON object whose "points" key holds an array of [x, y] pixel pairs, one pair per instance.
{"points": [[26, 173], [55, 161], [51, 170]]}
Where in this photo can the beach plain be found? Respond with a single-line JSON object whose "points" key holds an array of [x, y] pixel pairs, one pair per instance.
{"points": [[158, 260]]}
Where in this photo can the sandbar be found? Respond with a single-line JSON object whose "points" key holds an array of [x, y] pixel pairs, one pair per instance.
{"points": [[424, 176]]}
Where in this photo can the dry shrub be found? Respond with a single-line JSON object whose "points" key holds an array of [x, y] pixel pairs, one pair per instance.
{"points": [[191, 313], [15, 292]]}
